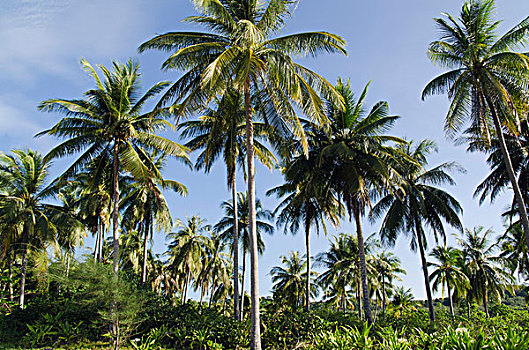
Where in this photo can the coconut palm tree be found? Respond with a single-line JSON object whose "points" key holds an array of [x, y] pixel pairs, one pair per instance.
{"points": [[225, 228], [354, 152], [417, 202], [289, 280], [306, 202], [221, 131], [487, 79], [187, 249], [145, 206], [513, 250], [386, 268], [446, 272], [402, 301], [241, 52], [486, 275], [23, 179], [110, 120]]}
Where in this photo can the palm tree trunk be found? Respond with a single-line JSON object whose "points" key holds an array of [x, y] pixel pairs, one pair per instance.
{"points": [[254, 268], [10, 276], [363, 268], [236, 312], [101, 241], [67, 265], [384, 303], [25, 239], [450, 299], [115, 213], [425, 272], [485, 305], [343, 301], [148, 229], [241, 309], [522, 209], [307, 245], [97, 233]]}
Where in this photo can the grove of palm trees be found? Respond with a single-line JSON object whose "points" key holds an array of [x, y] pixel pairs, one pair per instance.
{"points": [[250, 199]]}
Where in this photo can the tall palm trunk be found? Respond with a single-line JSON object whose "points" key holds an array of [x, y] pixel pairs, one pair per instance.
{"points": [[362, 261], [484, 293], [25, 240], [115, 198], [307, 282], [522, 209], [383, 299], [420, 243], [254, 268], [236, 312], [148, 230], [97, 234], [359, 296], [101, 241], [450, 301], [10, 276], [241, 309]]}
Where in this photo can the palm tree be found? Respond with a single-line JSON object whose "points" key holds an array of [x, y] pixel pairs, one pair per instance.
{"points": [[386, 267], [487, 79], [22, 177], [109, 120], [240, 52], [146, 206], [354, 151], [402, 300], [306, 202], [417, 202], [447, 272], [485, 273], [221, 131], [514, 250], [225, 228], [289, 279], [187, 248]]}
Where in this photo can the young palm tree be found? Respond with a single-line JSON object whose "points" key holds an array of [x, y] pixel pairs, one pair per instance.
{"points": [[289, 280], [386, 267], [354, 151], [221, 131], [402, 301], [225, 228], [307, 202], [487, 80], [187, 249], [485, 272], [22, 178], [240, 52], [110, 120], [447, 272], [146, 206], [418, 202]]}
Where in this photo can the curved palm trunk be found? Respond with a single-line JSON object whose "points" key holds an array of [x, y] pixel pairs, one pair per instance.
{"points": [[485, 304], [363, 268], [420, 243], [10, 276], [115, 197], [450, 301], [384, 303], [254, 268], [97, 234], [241, 309], [101, 241], [307, 282], [25, 239], [236, 312], [148, 230], [522, 209]]}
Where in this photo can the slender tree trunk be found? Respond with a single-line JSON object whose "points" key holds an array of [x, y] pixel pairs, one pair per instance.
{"points": [[363, 269], [307, 282], [485, 305], [10, 275], [236, 312], [101, 242], [359, 298], [97, 233], [468, 308], [115, 213], [376, 308], [148, 229], [241, 309], [67, 265], [420, 243], [450, 299], [254, 269], [25, 239], [522, 209], [384, 303], [343, 301]]}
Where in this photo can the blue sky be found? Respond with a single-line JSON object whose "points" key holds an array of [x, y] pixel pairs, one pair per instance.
{"points": [[41, 42]]}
